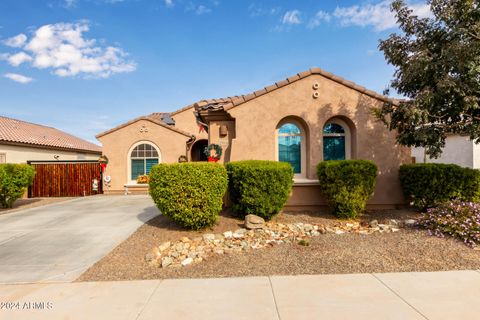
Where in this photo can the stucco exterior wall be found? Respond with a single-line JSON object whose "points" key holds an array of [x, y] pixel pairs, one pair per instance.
{"points": [[22, 154], [476, 155], [256, 122], [118, 144], [186, 121], [458, 150]]}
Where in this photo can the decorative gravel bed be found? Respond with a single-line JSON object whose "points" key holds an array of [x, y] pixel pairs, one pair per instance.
{"points": [[330, 252]]}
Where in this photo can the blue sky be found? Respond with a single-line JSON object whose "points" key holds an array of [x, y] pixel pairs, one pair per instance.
{"points": [[84, 66]]}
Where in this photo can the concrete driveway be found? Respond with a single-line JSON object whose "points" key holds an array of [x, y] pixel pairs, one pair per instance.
{"points": [[59, 242]]}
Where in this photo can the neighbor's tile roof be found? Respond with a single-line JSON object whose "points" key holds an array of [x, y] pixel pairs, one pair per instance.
{"points": [[230, 102], [21, 132]]}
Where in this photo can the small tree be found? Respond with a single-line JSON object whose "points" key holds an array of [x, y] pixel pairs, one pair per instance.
{"points": [[14, 179], [437, 63]]}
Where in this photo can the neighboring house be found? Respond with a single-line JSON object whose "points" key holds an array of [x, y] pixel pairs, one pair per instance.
{"points": [[458, 150], [310, 117], [22, 141]]}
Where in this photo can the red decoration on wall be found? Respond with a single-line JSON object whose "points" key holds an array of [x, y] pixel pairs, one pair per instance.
{"points": [[103, 165], [213, 159]]}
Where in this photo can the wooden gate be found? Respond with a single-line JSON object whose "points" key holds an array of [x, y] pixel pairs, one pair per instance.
{"points": [[65, 178]]}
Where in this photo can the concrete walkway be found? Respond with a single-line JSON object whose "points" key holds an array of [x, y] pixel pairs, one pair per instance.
{"points": [[58, 242], [430, 295]]}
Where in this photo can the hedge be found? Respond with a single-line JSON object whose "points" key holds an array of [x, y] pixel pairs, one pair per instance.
{"points": [[427, 185], [347, 185], [259, 187], [191, 194], [14, 180]]}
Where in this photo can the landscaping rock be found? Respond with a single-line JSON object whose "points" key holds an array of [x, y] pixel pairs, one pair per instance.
{"points": [[187, 261], [149, 257], [166, 261], [240, 233], [410, 223], [187, 251], [209, 237], [164, 246], [393, 223], [254, 222]]}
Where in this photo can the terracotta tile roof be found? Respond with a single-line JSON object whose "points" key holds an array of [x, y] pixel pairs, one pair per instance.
{"points": [[231, 102], [156, 117], [14, 131]]}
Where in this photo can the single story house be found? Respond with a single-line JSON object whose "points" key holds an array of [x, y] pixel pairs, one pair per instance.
{"points": [[307, 118], [22, 141], [459, 149]]}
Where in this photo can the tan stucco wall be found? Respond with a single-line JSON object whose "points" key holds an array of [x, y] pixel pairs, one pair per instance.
{"points": [[186, 121], [21, 154], [117, 144], [256, 122]]}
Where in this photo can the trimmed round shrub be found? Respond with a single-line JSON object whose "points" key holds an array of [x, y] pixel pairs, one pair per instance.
{"points": [[191, 194], [458, 219], [347, 185], [14, 180], [259, 187], [426, 185]]}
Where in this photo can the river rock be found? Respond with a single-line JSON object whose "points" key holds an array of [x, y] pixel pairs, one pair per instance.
{"points": [[166, 261], [208, 237], [187, 261], [254, 222], [410, 223], [164, 246]]}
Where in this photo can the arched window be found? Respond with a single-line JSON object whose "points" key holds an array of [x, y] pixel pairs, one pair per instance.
{"points": [[335, 141], [290, 145], [143, 157]]}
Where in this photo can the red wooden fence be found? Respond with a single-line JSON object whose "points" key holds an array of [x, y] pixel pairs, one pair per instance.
{"points": [[65, 179]]}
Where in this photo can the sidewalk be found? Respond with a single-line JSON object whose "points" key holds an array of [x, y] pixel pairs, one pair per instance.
{"points": [[429, 295]]}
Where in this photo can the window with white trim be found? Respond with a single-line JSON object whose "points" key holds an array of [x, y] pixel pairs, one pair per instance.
{"points": [[142, 158]]}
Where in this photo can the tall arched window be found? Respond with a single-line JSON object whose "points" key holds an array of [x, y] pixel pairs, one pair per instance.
{"points": [[143, 157], [290, 141], [335, 141]]}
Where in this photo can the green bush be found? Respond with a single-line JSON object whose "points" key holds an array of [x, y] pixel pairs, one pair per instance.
{"points": [[428, 184], [259, 187], [14, 179], [347, 185], [191, 194]]}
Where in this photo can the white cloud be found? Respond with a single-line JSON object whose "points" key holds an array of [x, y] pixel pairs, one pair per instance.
{"points": [[257, 10], [18, 58], [376, 15], [292, 17], [18, 78], [198, 10], [17, 41], [70, 3], [320, 16], [201, 9], [63, 48], [169, 3]]}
